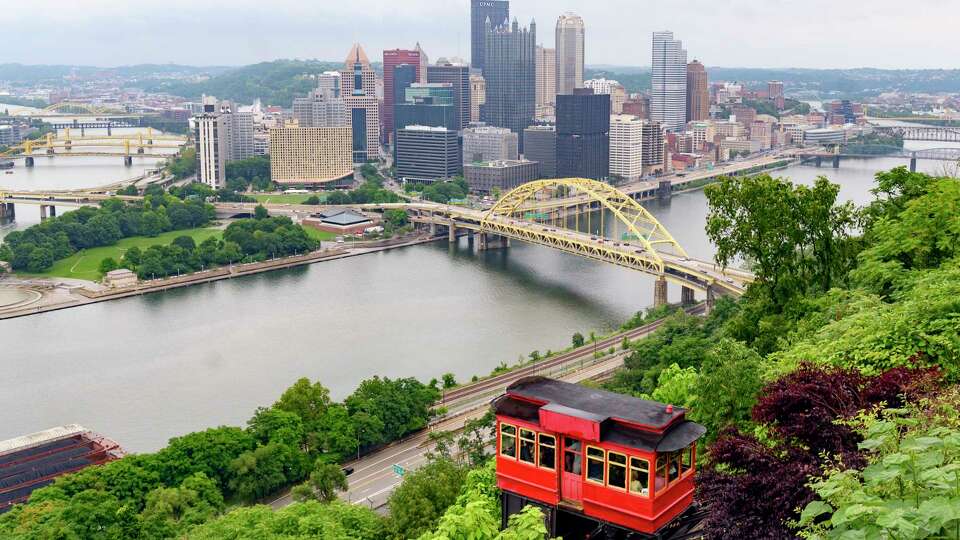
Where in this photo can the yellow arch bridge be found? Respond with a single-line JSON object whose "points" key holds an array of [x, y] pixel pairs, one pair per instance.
{"points": [[609, 226], [148, 144]]}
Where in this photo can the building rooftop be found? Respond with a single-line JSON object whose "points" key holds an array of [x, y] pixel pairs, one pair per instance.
{"points": [[344, 218], [623, 419], [500, 163], [596, 402], [425, 128], [119, 273]]}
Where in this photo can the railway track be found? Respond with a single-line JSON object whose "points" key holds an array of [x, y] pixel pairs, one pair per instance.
{"points": [[505, 379]]}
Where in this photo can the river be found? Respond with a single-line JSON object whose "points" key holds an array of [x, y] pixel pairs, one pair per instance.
{"points": [[142, 370]]}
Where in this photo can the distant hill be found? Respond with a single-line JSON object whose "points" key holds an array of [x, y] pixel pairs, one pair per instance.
{"points": [[847, 83], [21, 74], [274, 83]]}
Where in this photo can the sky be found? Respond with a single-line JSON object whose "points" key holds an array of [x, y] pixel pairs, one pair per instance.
{"points": [[729, 33]]}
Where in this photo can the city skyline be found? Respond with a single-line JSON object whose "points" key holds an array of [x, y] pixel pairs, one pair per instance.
{"points": [[290, 30]]}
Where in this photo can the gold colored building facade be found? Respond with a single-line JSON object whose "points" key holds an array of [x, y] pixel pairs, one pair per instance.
{"points": [[310, 155]]}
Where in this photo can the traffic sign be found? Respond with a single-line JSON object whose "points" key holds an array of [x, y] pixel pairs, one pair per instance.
{"points": [[398, 470]]}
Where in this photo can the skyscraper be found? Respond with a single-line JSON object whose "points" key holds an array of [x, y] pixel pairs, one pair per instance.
{"points": [[367, 78], [498, 13], [668, 94], [424, 62], [583, 135], [546, 81], [427, 104], [511, 73], [392, 59], [362, 106], [698, 92], [478, 95], [458, 76], [570, 34]]}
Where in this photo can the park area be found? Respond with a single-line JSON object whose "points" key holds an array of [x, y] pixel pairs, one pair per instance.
{"points": [[287, 198], [85, 264]]}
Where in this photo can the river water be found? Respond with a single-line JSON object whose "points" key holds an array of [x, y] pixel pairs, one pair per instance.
{"points": [[145, 369]]}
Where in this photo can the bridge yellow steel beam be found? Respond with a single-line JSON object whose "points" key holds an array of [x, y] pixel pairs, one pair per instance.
{"points": [[642, 225]]}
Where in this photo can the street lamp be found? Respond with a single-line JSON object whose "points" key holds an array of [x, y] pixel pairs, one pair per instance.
{"points": [[359, 432]]}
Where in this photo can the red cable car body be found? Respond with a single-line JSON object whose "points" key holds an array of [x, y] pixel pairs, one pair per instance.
{"points": [[611, 458]]}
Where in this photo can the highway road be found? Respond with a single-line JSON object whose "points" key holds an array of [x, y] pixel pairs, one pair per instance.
{"points": [[373, 478]]}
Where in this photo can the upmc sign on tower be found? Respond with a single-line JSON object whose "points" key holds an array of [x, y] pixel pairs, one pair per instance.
{"points": [[498, 11]]}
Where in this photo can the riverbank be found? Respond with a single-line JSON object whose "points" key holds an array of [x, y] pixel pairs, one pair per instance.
{"points": [[58, 295]]}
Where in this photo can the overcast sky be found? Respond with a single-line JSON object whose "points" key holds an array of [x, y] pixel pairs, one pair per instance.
{"points": [[733, 33]]}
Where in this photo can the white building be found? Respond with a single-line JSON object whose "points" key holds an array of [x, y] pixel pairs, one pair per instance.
{"points": [[616, 91], [668, 95], [702, 133], [626, 146], [222, 133], [487, 143]]}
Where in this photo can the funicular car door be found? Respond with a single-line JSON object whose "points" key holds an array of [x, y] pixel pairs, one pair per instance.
{"points": [[571, 481]]}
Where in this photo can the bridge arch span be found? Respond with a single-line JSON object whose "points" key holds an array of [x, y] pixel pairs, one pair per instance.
{"points": [[642, 226], [69, 107]]}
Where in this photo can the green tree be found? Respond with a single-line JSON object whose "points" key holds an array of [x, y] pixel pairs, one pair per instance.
{"points": [[325, 481], [108, 265], [449, 380], [727, 386], [676, 386], [795, 237], [260, 212], [308, 520], [171, 511], [423, 496], [308, 401], [577, 340], [185, 242], [276, 425], [263, 471], [924, 234]]}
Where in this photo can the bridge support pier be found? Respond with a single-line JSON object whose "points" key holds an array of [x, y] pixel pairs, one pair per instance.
{"points": [[665, 189], [660, 292], [686, 296], [7, 212], [819, 161], [452, 233], [46, 211], [836, 162], [913, 164], [433, 229], [711, 299], [127, 161], [487, 242], [28, 161], [109, 130]]}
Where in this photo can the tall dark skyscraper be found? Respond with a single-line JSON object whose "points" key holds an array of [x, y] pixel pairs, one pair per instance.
{"points": [[511, 75], [583, 135], [457, 75], [498, 11]]}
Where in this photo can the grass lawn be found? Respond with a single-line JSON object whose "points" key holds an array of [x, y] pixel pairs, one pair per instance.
{"points": [[287, 198], [317, 234], [85, 264]]}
